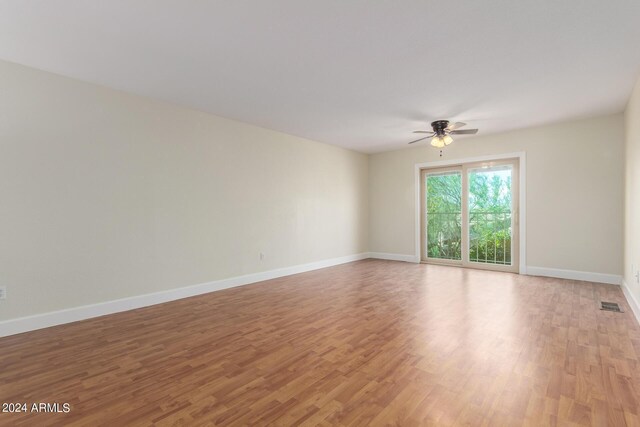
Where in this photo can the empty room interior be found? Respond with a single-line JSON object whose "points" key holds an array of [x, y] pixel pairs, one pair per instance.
{"points": [[321, 213]]}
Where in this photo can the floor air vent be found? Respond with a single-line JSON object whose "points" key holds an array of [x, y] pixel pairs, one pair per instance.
{"points": [[610, 306]]}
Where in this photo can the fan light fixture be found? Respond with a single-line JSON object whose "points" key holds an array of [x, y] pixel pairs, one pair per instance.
{"points": [[440, 141]]}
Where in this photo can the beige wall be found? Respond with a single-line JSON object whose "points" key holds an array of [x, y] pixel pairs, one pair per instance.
{"points": [[105, 195], [574, 179], [632, 193]]}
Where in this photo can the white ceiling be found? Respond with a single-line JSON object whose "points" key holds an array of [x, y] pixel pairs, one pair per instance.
{"points": [[361, 74]]}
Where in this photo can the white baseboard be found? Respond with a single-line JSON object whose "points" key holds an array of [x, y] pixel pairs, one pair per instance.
{"points": [[45, 320], [612, 279], [393, 257], [631, 299]]}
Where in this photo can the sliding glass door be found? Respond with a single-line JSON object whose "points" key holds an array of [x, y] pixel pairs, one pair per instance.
{"points": [[469, 215], [490, 214], [444, 215]]}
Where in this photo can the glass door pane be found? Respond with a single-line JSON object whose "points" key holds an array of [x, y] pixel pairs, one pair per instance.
{"points": [[444, 215], [490, 215]]}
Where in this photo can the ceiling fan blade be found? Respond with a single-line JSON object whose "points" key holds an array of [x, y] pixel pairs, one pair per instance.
{"points": [[456, 125], [464, 132], [423, 131], [417, 140]]}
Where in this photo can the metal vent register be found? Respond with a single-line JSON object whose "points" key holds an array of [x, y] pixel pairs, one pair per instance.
{"points": [[610, 306]]}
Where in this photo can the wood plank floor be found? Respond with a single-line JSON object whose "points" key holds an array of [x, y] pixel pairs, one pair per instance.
{"points": [[367, 343]]}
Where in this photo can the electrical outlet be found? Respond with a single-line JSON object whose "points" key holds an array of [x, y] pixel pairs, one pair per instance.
{"points": [[261, 256], [3, 292]]}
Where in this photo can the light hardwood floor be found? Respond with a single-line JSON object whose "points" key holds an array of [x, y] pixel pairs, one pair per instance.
{"points": [[367, 343]]}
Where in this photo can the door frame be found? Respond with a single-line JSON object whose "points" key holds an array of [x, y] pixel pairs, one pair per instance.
{"points": [[419, 198]]}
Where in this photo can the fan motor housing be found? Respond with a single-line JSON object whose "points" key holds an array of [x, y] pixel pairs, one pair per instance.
{"points": [[439, 126]]}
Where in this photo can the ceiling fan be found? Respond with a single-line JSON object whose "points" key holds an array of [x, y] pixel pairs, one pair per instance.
{"points": [[442, 131]]}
